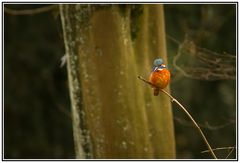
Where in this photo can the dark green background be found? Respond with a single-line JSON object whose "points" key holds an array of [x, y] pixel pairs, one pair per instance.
{"points": [[37, 117]]}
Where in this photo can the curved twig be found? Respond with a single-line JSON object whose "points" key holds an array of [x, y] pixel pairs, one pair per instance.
{"points": [[230, 153], [220, 148], [29, 11], [188, 114]]}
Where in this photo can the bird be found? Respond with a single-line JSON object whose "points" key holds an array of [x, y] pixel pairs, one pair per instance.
{"points": [[159, 77]]}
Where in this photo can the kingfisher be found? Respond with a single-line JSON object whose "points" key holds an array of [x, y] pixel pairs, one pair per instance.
{"points": [[160, 76]]}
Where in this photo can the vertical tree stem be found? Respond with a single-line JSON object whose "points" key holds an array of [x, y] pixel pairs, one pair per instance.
{"points": [[103, 46]]}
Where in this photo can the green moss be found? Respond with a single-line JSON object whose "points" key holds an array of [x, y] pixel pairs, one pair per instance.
{"points": [[116, 117]]}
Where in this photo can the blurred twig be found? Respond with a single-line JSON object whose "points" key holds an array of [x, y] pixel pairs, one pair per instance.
{"points": [[209, 66], [30, 11], [222, 148], [230, 153], [188, 114], [206, 125]]}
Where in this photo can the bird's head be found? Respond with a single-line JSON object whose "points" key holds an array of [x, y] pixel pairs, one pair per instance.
{"points": [[158, 64]]}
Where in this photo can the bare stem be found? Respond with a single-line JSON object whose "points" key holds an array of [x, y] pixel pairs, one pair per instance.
{"points": [[221, 148], [188, 114], [230, 153], [29, 11]]}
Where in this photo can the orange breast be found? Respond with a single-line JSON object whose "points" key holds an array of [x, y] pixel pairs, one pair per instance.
{"points": [[160, 78]]}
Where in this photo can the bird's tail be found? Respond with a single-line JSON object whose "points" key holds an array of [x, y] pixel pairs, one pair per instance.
{"points": [[156, 91]]}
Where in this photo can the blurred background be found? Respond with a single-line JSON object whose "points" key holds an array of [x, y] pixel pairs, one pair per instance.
{"points": [[201, 44]]}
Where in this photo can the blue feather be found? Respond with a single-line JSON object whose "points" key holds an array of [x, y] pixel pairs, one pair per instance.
{"points": [[157, 62]]}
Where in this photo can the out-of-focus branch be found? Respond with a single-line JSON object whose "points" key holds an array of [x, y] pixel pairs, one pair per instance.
{"points": [[29, 11], [205, 64], [206, 125], [230, 153], [222, 148]]}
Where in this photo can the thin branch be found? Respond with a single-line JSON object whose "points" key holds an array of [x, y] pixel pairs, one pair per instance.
{"points": [[173, 39], [230, 153], [220, 148], [220, 66], [206, 125], [188, 114], [29, 11], [175, 61]]}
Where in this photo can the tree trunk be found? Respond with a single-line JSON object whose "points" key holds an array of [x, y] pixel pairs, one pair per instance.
{"points": [[115, 115]]}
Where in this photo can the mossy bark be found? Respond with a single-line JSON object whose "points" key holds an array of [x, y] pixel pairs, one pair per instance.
{"points": [[115, 115]]}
